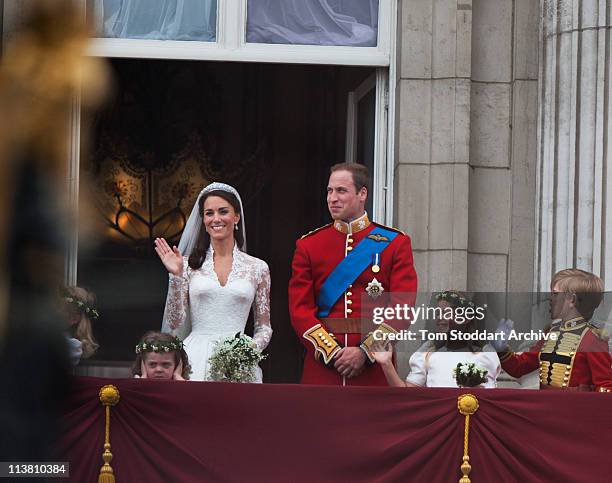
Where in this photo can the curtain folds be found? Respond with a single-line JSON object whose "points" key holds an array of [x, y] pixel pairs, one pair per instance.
{"points": [[313, 22], [309, 22], [199, 431], [156, 19]]}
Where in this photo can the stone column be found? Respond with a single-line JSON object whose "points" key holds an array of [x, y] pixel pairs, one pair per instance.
{"points": [[431, 172], [503, 145], [12, 15], [574, 183], [465, 173], [1, 27], [503, 153]]}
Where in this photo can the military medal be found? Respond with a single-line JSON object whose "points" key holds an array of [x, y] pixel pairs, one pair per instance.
{"points": [[374, 288], [376, 263]]}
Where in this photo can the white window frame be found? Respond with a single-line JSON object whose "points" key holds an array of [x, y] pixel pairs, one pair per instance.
{"points": [[72, 189], [231, 45], [352, 116], [379, 82]]}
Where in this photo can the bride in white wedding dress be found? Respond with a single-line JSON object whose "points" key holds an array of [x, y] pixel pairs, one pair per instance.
{"points": [[213, 281]]}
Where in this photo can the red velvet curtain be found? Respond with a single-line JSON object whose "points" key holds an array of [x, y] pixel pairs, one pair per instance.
{"points": [[192, 431]]}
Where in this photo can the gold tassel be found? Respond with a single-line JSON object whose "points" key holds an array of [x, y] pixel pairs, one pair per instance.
{"points": [[467, 405], [109, 396]]}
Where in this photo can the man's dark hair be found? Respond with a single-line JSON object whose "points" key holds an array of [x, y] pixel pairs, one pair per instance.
{"points": [[361, 174]]}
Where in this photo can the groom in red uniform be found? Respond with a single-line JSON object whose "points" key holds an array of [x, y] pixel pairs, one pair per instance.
{"points": [[333, 267]]}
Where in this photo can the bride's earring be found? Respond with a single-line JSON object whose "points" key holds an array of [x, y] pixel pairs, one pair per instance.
{"points": [[236, 226]]}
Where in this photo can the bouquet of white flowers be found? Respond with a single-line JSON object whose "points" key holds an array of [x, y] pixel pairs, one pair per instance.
{"points": [[468, 374], [235, 359]]}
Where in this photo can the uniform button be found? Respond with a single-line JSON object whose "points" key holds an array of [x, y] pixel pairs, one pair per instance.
{"points": [[349, 311], [349, 302], [348, 294], [349, 240], [349, 248]]}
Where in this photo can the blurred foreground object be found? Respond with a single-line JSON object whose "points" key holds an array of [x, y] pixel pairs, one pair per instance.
{"points": [[42, 72]]}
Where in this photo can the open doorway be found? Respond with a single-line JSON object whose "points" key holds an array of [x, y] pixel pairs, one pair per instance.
{"points": [[270, 130]]}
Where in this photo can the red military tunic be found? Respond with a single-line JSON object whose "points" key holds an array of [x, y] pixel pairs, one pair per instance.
{"points": [[579, 358], [316, 256]]}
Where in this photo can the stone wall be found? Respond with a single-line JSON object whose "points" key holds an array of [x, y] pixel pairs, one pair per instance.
{"points": [[466, 155], [432, 162]]}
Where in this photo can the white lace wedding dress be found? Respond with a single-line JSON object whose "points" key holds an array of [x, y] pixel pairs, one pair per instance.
{"points": [[201, 311]]}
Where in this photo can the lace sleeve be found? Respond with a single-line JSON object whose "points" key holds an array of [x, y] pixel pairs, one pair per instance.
{"points": [[176, 314], [263, 329]]}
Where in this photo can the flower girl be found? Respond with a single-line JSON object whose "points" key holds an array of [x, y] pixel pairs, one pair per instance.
{"points": [[444, 362], [161, 356]]}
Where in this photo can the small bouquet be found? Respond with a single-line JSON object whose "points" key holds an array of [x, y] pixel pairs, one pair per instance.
{"points": [[235, 359], [468, 374]]}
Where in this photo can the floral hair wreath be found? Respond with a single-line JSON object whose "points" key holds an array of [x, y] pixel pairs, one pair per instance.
{"points": [[455, 299], [82, 307], [175, 344]]}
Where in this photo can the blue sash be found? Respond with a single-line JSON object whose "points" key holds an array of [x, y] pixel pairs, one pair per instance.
{"points": [[351, 267]]}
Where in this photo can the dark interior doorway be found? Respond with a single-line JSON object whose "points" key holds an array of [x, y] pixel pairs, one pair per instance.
{"points": [[270, 130]]}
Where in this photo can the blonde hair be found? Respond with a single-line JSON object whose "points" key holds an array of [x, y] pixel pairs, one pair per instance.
{"points": [[587, 287], [82, 330]]}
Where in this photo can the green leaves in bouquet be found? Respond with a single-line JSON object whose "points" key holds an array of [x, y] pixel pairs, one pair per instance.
{"points": [[468, 374], [235, 359]]}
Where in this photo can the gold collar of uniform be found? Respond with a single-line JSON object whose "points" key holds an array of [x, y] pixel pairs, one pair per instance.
{"points": [[354, 226], [572, 324]]}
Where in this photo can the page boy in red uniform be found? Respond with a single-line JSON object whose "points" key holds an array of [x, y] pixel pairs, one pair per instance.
{"points": [[578, 357]]}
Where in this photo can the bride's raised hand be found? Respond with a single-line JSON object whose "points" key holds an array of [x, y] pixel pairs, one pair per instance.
{"points": [[170, 257]]}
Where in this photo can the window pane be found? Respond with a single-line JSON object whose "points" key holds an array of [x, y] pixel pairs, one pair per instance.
{"points": [[313, 22], [154, 19], [366, 131]]}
